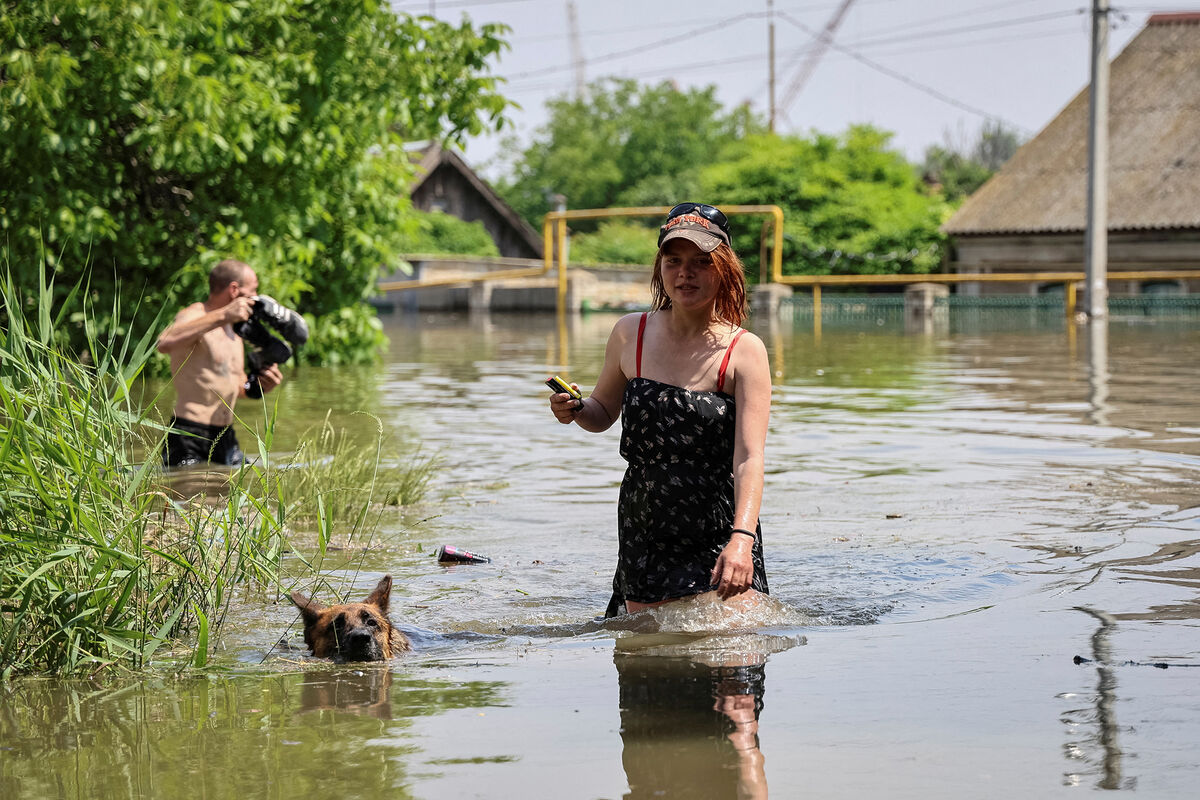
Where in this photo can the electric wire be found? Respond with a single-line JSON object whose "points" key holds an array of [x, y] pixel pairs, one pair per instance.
{"points": [[929, 90]]}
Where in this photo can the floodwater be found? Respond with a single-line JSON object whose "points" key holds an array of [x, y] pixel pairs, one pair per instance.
{"points": [[982, 541]]}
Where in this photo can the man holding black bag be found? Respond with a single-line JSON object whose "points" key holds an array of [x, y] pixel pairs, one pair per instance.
{"points": [[208, 363]]}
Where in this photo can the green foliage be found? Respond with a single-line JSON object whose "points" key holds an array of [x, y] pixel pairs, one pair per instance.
{"points": [[851, 204], [622, 144], [956, 175], [95, 571], [959, 170], [349, 335], [435, 232], [159, 139], [616, 242]]}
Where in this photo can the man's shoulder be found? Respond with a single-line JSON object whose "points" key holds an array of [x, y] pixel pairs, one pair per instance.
{"points": [[190, 312]]}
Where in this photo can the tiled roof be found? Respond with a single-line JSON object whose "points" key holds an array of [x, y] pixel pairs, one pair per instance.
{"points": [[1154, 148]]}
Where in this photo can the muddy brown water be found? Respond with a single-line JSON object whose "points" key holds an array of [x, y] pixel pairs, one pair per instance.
{"points": [[982, 544]]}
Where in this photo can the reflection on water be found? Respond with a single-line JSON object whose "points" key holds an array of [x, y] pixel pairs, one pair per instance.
{"points": [[1104, 731], [312, 734], [690, 726], [364, 691], [1098, 371]]}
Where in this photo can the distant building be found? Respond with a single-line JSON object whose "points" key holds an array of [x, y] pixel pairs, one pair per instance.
{"points": [[1031, 216], [444, 182]]}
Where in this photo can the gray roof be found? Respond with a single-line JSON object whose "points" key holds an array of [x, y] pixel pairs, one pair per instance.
{"points": [[1154, 148]]}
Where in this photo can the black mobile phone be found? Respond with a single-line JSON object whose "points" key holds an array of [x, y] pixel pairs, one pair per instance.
{"points": [[558, 385]]}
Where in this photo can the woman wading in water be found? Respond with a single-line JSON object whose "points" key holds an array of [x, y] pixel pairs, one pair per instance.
{"points": [[695, 391]]}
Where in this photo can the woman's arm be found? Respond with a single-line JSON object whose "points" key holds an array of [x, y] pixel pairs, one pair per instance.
{"points": [[734, 570], [603, 406]]}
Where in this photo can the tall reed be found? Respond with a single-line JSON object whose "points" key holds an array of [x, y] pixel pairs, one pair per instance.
{"points": [[334, 479], [98, 569]]}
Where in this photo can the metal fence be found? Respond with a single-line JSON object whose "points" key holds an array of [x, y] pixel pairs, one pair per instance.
{"points": [[836, 305]]}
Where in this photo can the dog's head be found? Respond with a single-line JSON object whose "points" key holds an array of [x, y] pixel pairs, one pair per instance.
{"points": [[352, 631]]}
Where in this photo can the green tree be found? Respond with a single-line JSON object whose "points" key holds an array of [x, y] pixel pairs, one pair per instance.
{"points": [[958, 170], [623, 144], [150, 138], [851, 204], [616, 242]]}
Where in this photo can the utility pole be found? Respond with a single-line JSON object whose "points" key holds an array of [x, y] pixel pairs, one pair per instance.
{"points": [[576, 50], [771, 59], [1096, 239], [819, 47]]}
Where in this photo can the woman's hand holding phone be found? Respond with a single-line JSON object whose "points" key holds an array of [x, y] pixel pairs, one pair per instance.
{"points": [[566, 402]]}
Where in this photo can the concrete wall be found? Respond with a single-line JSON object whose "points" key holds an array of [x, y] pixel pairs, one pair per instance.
{"points": [[587, 287]]}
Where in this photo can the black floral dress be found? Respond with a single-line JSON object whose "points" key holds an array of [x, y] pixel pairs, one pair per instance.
{"points": [[676, 504]]}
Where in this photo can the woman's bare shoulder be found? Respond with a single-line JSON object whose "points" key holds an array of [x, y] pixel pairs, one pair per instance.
{"points": [[751, 341], [627, 326]]}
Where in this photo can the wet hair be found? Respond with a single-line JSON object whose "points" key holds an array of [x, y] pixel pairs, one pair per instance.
{"points": [[731, 285], [225, 273]]}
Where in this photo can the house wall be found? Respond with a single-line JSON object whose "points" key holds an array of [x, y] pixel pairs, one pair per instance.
{"points": [[445, 189], [1127, 251]]}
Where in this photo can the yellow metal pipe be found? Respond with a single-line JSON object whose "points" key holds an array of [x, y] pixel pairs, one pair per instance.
{"points": [[777, 256], [504, 274], [816, 299], [1070, 299], [562, 264], [970, 277], [763, 269]]}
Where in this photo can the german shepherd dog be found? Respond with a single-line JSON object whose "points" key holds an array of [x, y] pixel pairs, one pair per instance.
{"points": [[352, 631]]}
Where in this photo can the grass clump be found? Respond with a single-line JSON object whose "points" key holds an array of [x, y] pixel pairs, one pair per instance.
{"points": [[97, 568], [335, 480]]}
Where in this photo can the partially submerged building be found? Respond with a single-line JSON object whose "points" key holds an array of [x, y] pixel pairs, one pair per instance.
{"points": [[444, 182], [1032, 215]]}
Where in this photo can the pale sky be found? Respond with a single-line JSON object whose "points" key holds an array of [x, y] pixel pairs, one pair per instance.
{"points": [[923, 69]]}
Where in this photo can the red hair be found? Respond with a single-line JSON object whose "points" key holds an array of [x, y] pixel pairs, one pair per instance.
{"points": [[731, 285]]}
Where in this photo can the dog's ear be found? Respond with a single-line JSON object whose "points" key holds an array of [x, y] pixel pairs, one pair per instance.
{"points": [[381, 595], [309, 608]]}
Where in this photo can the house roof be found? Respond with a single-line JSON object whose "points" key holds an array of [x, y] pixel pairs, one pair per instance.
{"points": [[1154, 148], [430, 156]]}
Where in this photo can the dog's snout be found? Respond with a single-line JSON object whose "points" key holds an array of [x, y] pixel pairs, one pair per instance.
{"points": [[360, 644]]}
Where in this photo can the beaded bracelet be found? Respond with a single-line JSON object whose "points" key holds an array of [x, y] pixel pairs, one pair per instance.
{"points": [[751, 534]]}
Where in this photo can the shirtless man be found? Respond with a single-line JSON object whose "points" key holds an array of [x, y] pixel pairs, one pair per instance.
{"points": [[208, 369]]}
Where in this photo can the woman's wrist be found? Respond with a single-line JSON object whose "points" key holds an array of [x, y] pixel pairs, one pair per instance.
{"points": [[744, 532]]}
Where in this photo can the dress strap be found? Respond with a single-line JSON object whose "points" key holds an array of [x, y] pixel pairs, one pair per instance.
{"points": [[724, 361], [641, 330]]}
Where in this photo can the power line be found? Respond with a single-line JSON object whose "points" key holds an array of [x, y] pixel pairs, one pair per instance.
{"points": [[796, 54], [824, 39], [640, 49], [983, 26], [891, 73], [757, 58], [958, 45]]}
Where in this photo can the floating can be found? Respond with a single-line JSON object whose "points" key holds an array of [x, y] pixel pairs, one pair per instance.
{"points": [[449, 554]]}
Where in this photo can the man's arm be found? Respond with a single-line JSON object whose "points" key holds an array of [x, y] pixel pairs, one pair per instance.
{"points": [[193, 322]]}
